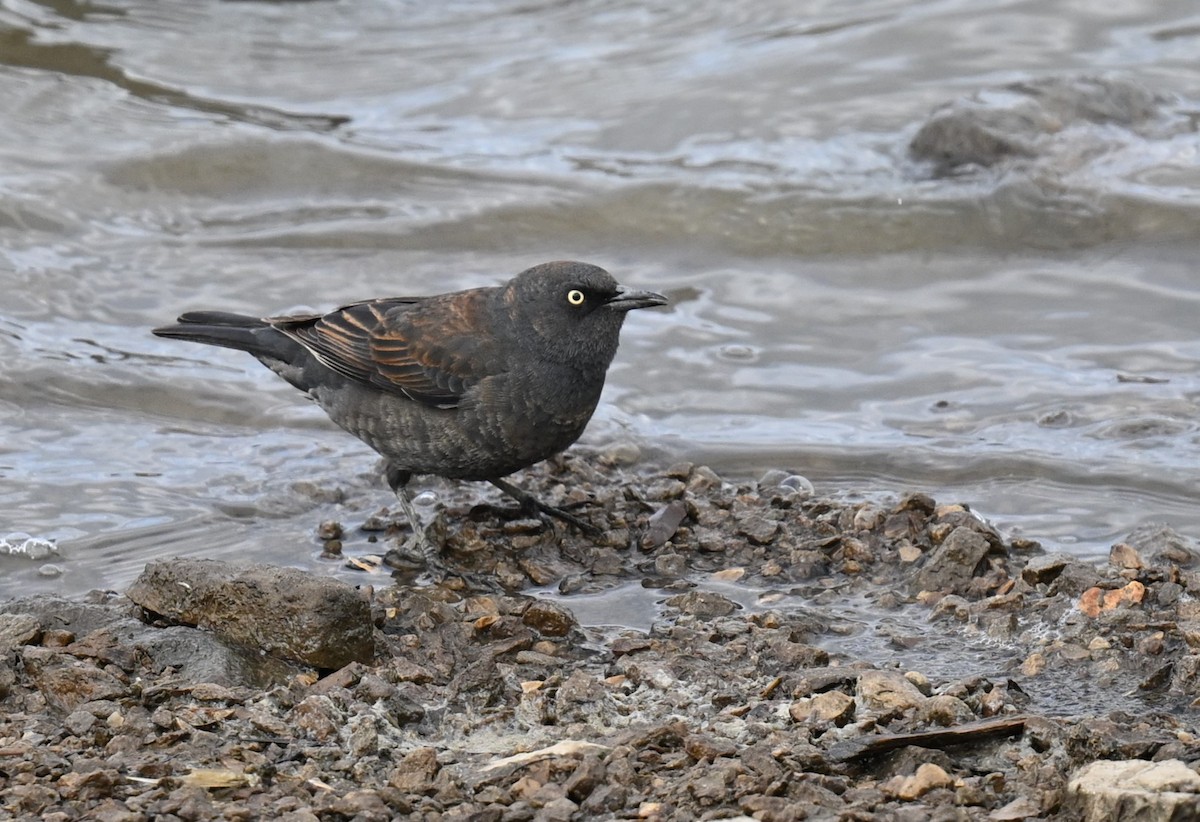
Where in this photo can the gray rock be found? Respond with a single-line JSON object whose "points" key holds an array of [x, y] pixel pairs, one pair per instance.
{"points": [[952, 564], [17, 630], [1166, 791], [1045, 568], [1023, 120], [703, 604], [281, 611]]}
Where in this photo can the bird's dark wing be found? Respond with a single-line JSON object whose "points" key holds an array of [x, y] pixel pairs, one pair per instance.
{"points": [[429, 349]]}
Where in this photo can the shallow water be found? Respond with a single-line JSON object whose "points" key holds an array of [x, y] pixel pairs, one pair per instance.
{"points": [[1022, 339]]}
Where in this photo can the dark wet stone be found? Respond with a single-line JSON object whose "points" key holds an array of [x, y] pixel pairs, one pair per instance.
{"points": [[587, 776], [1045, 568], [663, 525], [758, 528], [549, 618], [1021, 120], [951, 566], [703, 604], [1075, 578], [281, 611], [416, 771]]}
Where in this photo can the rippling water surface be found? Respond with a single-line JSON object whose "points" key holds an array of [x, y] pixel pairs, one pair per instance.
{"points": [[1021, 337]]}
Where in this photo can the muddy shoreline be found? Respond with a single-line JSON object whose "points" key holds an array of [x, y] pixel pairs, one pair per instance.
{"points": [[216, 691]]}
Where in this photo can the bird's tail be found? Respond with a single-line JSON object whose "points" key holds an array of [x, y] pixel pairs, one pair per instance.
{"points": [[238, 331]]}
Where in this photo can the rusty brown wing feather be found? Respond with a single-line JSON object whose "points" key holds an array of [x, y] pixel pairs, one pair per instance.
{"points": [[424, 348]]}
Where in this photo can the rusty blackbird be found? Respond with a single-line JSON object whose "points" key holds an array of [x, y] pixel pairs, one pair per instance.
{"points": [[469, 385]]}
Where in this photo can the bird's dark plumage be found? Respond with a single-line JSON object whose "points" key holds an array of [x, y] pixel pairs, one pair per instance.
{"points": [[471, 385]]}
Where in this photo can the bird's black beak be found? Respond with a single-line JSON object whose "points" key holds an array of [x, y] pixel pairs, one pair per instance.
{"points": [[627, 299]]}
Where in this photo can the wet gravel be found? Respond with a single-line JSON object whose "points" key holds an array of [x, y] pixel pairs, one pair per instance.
{"points": [[484, 698]]}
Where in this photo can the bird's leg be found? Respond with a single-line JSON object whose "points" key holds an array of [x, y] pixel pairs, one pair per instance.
{"points": [[398, 480], [532, 503], [432, 557]]}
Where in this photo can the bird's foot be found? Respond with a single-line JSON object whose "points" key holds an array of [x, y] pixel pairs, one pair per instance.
{"points": [[532, 504], [417, 553]]}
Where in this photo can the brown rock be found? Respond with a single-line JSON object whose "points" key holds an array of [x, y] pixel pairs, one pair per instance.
{"points": [[416, 772], [1096, 600], [946, 710], [548, 618], [833, 706], [888, 691], [17, 630], [1124, 555], [285, 612], [927, 778], [67, 685]]}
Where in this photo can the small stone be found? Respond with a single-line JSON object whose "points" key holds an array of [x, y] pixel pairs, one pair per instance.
{"points": [[952, 606], [758, 529], [285, 612], [1096, 600], [620, 454], [868, 518], [416, 771], [1034, 664], [946, 710], [704, 746], [832, 706], [17, 630], [585, 778], [927, 778], [663, 525], [1046, 568], [888, 691], [703, 480], [952, 564], [920, 680], [1190, 631], [670, 565], [680, 470], [79, 722], [703, 604], [665, 489], [549, 618], [1124, 555], [329, 529]]}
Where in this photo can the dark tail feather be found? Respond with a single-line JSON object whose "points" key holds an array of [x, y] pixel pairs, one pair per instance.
{"points": [[237, 331]]}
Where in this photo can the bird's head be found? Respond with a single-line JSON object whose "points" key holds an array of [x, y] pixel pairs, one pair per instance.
{"points": [[573, 310]]}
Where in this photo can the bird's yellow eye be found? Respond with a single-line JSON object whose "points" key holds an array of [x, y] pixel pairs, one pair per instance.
{"points": [[575, 297]]}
